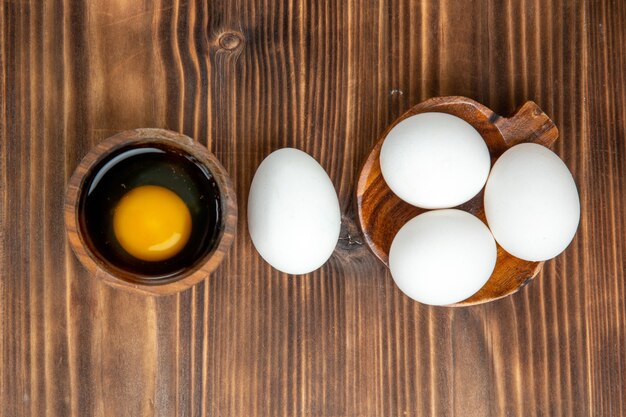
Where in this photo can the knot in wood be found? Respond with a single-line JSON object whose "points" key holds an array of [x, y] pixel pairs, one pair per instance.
{"points": [[230, 40]]}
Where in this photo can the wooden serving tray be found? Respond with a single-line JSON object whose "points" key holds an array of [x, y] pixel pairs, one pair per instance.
{"points": [[382, 213]]}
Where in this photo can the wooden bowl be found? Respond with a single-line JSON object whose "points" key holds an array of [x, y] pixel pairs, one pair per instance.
{"points": [[381, 213], [112, 275]]}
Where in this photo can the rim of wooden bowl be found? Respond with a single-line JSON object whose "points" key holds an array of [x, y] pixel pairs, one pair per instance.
{"points": [[527, 124], [189, 277]]}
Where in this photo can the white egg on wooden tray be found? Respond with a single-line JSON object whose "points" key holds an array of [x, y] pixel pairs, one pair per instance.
{"points": [[441, 257], [294, 217], [434, 160], [531, 203]]}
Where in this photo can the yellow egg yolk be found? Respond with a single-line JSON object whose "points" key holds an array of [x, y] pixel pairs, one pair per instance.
{"points": [[152, 223]]}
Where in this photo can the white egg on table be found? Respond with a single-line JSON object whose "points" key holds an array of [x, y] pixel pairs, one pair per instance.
{"points": [[531, 203], [442, 257], [294, 217], [434, 160]]}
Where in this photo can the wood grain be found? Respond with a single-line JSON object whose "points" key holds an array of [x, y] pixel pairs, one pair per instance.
{"points": [[381, 213], [245, 77]]}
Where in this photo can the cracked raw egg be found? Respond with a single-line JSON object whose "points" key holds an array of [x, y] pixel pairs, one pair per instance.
{"points": [[152, 223], [150, 212]]}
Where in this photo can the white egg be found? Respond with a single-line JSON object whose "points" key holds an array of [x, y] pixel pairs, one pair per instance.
{"points": [[442, 257], [434, 160], [532, 203], [293, 212]]}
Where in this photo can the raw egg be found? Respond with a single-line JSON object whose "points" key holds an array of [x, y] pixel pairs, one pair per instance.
{"points": [[293, 212], [442, 257], [152, 223], [149, 212], [532, 203], [434, 160]]}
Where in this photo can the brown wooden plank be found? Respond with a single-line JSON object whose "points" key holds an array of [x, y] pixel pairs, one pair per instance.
{"points": [[604, 260], [246, 77]]}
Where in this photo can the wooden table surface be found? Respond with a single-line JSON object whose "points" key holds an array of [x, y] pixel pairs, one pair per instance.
{"points": [[245, 77]]}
